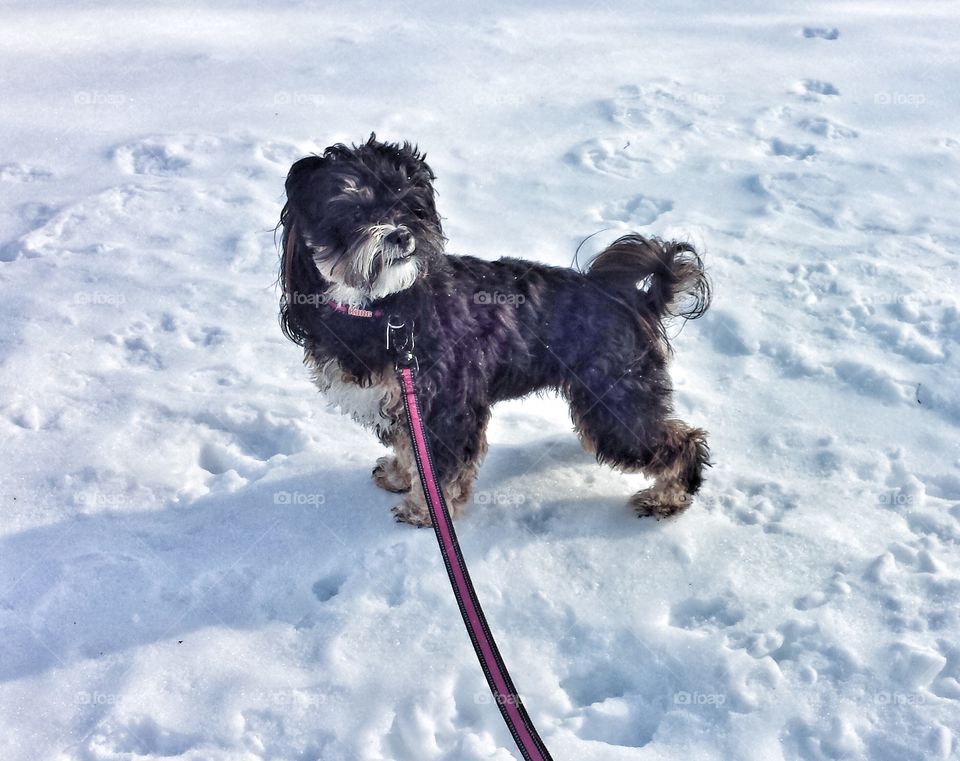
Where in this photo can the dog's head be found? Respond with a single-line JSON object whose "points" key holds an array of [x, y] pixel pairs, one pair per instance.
{"points": [[360, 222]]}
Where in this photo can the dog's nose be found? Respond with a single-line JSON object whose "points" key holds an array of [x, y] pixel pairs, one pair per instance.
{"points": [[400, 238]]}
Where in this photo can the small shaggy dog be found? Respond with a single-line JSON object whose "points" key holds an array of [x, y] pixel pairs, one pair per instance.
{"points": [[362, 241]]}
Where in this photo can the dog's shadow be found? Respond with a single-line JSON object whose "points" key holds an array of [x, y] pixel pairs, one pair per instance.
{"points": [[94, 585], [97, 584], [531, 458], [512, 487]]}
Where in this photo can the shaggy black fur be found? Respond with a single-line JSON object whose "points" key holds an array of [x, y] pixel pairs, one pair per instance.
{"points": [[489, 331]]}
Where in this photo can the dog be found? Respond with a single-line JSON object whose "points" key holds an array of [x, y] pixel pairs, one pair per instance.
{"points": [[362, 240]]}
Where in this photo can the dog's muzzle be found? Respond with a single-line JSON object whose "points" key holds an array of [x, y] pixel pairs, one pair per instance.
{"points": [[399, 243]]}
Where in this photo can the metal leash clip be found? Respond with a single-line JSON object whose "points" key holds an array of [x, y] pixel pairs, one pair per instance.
{"points": [[400, 342]]}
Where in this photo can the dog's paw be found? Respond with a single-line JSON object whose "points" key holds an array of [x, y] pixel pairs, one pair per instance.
{"points": [[388, 475], [412, 513], [659, 504]]}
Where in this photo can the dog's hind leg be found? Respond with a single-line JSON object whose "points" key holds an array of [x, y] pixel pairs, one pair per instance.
{"points": [[626, 423], [677, 469]]}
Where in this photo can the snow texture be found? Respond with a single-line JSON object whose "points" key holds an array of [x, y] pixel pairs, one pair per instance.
{"points": [[194, 563]]}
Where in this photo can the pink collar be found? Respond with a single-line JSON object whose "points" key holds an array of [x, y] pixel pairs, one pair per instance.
{"points": [[354, 311]]}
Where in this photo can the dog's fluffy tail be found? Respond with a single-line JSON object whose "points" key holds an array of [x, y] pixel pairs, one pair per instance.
{"points": [[663, 278]]}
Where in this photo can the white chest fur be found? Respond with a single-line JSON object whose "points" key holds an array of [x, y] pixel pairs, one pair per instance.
{"points": [[373, 406]]}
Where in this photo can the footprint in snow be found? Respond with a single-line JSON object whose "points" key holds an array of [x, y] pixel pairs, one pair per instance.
{"points": [[706, 614], [659, 106], [151, 158], [253, 433], [328, 587], [657, 120], [752, 503], [614, 157], [815, 89], [822, 33], [167, 155], [617, 701], [283, 154], [836, 588], [821, 125], [798, 151], [833, 738], [136, 736], [71, 229], [23, 173], [637, 211], [730, 335], [868, 380], [804, 646], [138, 351], [818, 195]]}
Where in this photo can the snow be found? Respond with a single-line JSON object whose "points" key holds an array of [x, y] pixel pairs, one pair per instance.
{"points": [[194, 563]]}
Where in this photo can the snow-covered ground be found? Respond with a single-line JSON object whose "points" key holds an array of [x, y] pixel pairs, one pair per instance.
{"points": [[194, 563]]}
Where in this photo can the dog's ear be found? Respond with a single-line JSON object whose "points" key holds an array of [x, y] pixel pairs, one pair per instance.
{"points": [[300, 175], [297, 274]]}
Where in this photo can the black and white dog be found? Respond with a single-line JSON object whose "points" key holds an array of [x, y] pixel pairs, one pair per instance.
{"points": [[362, 240]]}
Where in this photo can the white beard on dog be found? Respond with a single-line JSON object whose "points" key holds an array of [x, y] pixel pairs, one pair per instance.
{"points": [[396, 275], [394, 278]]}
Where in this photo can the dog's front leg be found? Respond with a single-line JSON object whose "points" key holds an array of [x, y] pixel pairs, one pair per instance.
{"points": [[398, 472], [457, 454], [393, 473]]}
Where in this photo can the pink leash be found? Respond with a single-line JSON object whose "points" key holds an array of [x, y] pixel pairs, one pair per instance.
{"points": [[400, 340]]}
